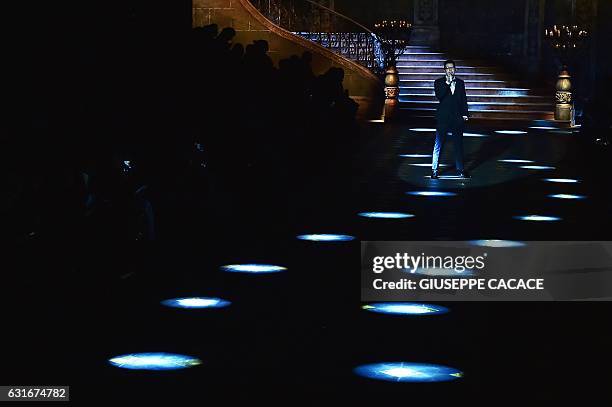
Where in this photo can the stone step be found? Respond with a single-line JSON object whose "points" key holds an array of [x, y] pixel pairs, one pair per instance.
{"points": [[493, 94], [432, 76], [489, 122], [412, 83], [440, 62], [481, 106], [438, 70], [418, 49], [439, 58], [429, 54], [472, 90], [415, 97], [490, 114]]}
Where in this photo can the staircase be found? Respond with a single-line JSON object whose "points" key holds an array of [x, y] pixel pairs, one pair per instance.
{"points": [[360, 47], [493, 95]]}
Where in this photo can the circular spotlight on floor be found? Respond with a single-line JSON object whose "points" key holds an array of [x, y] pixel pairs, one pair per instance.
{"points": [[515, 161], [422, 129], [430, 193], [196, 302], [497, 243], [543, 128], [475, 135], [538, 218], [154, 361], [415, 155], [326, 237], [510, 132], [408, 372], [567, 196], [426, 165], [440, 272], [537, 167], [405, 308], [253, 268], [386, 215], [561, 180]]}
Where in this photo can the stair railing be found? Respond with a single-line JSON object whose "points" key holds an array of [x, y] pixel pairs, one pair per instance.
{"points": [[328, 28]]}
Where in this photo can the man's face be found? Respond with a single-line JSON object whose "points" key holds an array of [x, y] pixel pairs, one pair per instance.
{"points": [[449, 69]]}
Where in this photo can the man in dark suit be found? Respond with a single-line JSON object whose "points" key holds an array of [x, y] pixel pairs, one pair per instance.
{"points": [[451, 115]]}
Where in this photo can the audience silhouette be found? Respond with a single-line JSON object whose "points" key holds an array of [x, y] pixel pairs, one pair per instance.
{"points": [[179, 142]]}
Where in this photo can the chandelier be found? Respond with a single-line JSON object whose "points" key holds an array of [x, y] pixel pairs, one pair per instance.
{"points": [[393, 36], [565, 40]]}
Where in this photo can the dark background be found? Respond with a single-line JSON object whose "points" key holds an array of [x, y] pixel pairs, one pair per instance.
{"points": [[290, 338]]}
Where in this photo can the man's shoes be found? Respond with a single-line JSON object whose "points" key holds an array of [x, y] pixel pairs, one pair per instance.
{"points": [[434, 174], [463, 174]]}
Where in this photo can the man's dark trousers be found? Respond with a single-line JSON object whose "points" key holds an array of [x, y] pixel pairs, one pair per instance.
{"points": [[449, 118]]}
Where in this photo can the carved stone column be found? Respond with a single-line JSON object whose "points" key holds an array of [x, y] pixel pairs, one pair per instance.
{"points": [[425, 30], [563, 97], [325, 18], [391, 92], [532, 45], [586, 75]]}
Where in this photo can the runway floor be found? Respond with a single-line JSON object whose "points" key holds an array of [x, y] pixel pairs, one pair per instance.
{"points": [[295, 337]]}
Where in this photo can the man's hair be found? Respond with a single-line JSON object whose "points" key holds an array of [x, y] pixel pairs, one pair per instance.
{"points": [[449, 61]]}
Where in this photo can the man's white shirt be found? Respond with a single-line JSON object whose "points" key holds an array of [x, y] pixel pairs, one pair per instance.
{"points": [[452, 86]]}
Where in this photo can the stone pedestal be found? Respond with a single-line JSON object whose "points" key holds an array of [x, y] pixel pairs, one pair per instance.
{"points": [[563, 96], [391, 92]]}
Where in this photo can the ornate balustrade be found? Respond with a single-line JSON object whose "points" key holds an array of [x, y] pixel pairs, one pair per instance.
{"points": [[327, 28]]}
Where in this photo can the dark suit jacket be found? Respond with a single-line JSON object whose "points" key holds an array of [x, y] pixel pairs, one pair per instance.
{"points": [[452, 106]]}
